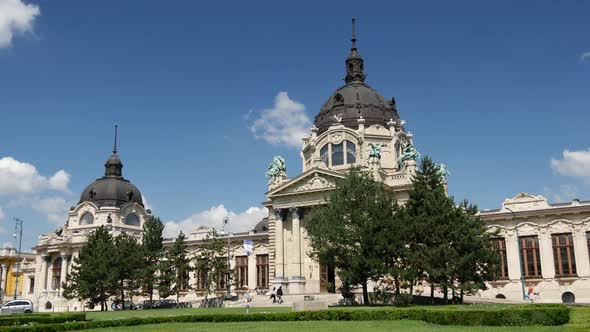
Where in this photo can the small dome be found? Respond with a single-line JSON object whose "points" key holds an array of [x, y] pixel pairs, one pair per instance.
{"points": [[352, 101], [261, 226], [111, 191]]}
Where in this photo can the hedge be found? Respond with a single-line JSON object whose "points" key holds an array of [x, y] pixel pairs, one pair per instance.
{"points": [[41, 318], [470, 317]]}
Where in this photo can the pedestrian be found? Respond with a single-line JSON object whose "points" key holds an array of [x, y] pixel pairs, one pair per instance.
{"points": [[280, 294], [273, 295], [248, 297]]}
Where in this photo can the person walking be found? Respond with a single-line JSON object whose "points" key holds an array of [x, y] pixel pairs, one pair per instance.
{"points": [[248, 297], [273, 295], [280, 294]]}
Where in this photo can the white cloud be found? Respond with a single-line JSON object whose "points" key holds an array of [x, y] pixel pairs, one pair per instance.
{"points": [[18, 177], [54, 208], [146, 204], [574, 164], [1, 213], [16, 17], [284, 124], [585, 57], [213, 217], [565, 193]]}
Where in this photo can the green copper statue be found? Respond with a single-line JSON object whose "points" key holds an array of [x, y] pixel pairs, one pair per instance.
{"points": [[375, 150], [408, 153], [276, 167]]}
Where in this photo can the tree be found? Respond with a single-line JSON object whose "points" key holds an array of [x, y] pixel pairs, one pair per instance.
{"points": [[210, 263], [152, 249], [179, 265], [348, 231], [91, 276], [127, 266]]}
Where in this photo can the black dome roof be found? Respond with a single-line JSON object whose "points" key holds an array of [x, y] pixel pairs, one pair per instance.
{"points": [[355, 99], [352, 101], [112, 189]]}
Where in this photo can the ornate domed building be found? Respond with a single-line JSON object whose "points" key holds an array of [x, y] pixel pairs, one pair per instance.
{"points": [[110, 201], [356, 126]]}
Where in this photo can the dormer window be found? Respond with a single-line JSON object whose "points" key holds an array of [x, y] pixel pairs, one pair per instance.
{"points": [[338, 154], [132, 219], [87, 219]]}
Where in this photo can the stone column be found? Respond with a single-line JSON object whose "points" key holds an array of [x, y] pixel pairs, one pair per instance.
{"points": [[512, 255], [252, 271], [3, 271], [49, 281], [581, 252], [297, 281], [43, 281], [546, 252], [64, 270], [279, 248]]}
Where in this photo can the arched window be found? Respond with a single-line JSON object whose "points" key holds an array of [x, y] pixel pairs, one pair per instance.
{"points": [[324, 154], [500, 296], [337, 154], [568, 298], [87, 219], [132, 219], [350, 152]]}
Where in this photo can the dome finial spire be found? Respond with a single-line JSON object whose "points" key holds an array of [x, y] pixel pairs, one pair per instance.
{"points": [[353, 35], [115, 145], [355, 72]]}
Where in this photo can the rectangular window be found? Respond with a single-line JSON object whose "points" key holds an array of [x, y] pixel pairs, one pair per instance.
{"points": [[32, 285], [500, 247], [262, 271], [350, 152], [337, 154], [530, 255], [563, 255], [242, 271]]}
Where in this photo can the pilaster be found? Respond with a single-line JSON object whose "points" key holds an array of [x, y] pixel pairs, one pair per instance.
{"points": [[546, 252]]}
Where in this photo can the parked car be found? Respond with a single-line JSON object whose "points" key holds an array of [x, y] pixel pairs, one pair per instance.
{"points": [[16, 307], [127, 306]]}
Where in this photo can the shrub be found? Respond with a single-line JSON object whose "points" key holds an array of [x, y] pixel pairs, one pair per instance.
{"points": [[41, 318], [402, 300], [516, 316]]}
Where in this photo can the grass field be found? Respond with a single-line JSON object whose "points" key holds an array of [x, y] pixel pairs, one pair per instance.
{"points": [[580, 321]]}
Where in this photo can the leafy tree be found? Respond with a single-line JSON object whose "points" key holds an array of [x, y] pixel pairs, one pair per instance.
{"points": [[179, 265], [92, 271], [152, 249], [210, 262], [165, 278], [348, 230], [127, 266]]}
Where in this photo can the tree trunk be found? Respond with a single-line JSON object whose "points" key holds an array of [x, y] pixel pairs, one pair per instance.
{"points": [[432, 293], [461, 296], [446, 293], [396, 279], [122, 295], [412, 287], [454, 293], [365, 293]]}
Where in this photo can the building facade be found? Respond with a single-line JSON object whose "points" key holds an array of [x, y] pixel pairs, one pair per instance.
{"points": [[10, 271], [547, 244]]}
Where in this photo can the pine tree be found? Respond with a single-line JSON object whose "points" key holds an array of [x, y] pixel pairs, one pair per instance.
{"points": [[152, 248], [127, 266], [210, 263], [179, 265], [91, 276], [348, 231]]}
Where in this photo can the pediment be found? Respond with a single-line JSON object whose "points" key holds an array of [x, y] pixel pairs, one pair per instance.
{"points": [[315, 179]]}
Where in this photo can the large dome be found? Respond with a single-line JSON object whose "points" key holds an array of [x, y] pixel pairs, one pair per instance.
{"points": [[356, 99], [352, 101], [112, 189]]}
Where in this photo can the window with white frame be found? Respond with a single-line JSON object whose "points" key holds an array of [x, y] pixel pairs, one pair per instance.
{"points": [[340, 154]]}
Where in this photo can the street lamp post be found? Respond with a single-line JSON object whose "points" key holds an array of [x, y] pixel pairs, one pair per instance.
{"points": [[18, 227], [228, 271], [519, 255]]}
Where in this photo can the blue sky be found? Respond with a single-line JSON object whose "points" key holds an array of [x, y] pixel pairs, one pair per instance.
{"points": [[496, 90]]}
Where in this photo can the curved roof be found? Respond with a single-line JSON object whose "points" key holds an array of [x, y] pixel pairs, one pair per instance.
{"points": [[112, 189]]}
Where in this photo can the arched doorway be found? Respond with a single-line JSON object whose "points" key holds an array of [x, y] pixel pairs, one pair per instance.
{"points": [[568, 298]]}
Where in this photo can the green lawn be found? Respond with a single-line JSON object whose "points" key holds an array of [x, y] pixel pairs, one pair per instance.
{"points": [[579, 321], [369, 326]]}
